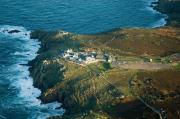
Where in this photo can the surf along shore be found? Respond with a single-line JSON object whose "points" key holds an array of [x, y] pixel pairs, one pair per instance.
{"points": [[136, 74]]}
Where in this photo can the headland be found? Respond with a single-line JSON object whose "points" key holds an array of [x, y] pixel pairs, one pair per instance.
{"points": [[122, 73]]}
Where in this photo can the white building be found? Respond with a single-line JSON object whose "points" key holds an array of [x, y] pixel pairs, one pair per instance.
{"points": [[66, 55], [69, 51]]}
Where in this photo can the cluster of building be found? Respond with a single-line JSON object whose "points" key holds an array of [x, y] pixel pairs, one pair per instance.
{"points": [[85, 57]]}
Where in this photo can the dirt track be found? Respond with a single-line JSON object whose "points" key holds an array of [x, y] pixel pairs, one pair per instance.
{"points": [[144, 66]]}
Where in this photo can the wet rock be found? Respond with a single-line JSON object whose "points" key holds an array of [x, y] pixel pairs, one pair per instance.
{"points": [[14, 31], [23, 64], [58, 108]]}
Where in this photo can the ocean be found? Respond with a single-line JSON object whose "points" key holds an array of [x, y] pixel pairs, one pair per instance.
{"points": [[18, 97]]}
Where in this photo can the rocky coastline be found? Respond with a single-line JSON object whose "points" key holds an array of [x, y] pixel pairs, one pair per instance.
{"points": [[102, 90], [171, 9]]}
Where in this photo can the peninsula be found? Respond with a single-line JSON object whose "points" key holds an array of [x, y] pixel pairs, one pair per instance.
{"points": [[119, 74]]}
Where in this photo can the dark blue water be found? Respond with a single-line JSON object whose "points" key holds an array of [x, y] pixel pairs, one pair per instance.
{"points": [[17, 95], [82, 16]]}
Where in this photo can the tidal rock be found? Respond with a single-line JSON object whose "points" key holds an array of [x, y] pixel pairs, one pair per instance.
{"points": [[14, 31]]}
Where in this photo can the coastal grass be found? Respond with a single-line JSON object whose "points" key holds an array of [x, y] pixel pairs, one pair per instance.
{"points": [[177, 66], [160, 89], [120, 79], [135, 42]]}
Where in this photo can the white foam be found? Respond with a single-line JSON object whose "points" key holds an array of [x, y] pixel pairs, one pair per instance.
{"points": [[160, 22], [28, 93], [24, 34], [25, 84], [149, 5]]}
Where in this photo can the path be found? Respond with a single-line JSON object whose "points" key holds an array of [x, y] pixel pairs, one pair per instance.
{"points": [[144, 66]]}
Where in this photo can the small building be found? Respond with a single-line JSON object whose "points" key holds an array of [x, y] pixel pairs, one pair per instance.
{"points": [[66, 55], [75, 56], [106, 57], [69, 51], [111, 59], [90, 59], [99, 56], [150, 60]]}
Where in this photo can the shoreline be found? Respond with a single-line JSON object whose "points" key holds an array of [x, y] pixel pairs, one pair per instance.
{"points": [[24, 82], [41, 35]]}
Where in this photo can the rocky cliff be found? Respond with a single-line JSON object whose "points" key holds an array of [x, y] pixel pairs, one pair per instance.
{"points": [[172, 9]]}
